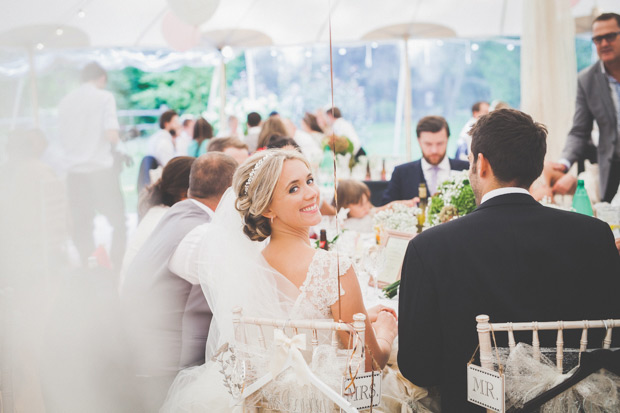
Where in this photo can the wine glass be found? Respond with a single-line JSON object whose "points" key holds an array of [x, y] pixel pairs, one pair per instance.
{"points": [[374, 262]]}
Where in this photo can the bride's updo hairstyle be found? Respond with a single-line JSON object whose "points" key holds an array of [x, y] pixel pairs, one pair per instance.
{"points": [[254, 183]]}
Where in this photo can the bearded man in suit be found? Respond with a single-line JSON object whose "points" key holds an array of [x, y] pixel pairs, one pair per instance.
{"points": [[432, 169], [511, 258]]}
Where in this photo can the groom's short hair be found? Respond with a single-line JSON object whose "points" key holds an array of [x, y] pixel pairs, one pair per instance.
{"points": [[211, 175], [513, 143]]}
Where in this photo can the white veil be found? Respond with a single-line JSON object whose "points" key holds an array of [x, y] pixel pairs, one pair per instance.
{"points": [[234, 273]]}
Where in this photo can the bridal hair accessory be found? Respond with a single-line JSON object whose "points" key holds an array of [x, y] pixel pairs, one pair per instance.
{"points": [[253, 172]]}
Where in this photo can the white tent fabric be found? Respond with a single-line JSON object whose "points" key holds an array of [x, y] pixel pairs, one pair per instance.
{"points": [[137, 23], [548, 68]]}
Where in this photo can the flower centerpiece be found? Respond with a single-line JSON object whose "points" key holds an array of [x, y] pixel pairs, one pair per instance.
{"points": [[399, 217], [342, 146], [454, 198]]}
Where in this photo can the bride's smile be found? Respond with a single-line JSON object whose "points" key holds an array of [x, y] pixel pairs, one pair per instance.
{"points": [[295, 198]]}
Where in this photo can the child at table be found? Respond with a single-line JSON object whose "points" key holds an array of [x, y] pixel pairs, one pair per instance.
{"points": [[355, 196]]}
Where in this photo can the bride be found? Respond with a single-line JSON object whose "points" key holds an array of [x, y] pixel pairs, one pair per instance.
{"points": [[274, 201]]}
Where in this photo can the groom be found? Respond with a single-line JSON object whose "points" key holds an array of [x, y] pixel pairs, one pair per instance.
{"points": [[511, 258]]}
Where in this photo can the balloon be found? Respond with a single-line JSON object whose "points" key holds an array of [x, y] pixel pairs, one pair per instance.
{"points": [[194, 12], [178, 34]]}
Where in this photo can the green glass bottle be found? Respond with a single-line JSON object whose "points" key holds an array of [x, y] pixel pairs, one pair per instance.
{"points": [[581, 200]]}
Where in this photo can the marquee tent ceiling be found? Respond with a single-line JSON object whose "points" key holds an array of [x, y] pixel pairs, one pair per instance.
{"points": [[138, 23]]}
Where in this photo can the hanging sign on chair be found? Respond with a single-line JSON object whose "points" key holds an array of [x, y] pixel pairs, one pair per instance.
{"points": [[366, 390], [485, 388]]}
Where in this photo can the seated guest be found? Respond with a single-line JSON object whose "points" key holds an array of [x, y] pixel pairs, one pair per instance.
{"points": [[511, 258], [155, 201], [203, 132], [342, 127], [251, 139], [464, 144], [310, 124], [167, 317], [230, 146], [434, 167], [161, 143], [282, 142], [272, 126], [355, 196], [184, 138]]}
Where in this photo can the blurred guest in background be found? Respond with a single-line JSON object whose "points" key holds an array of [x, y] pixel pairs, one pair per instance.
{"points": [[88, 131], [254, 127], [272, 126], [230, 146], [310, 125], [342, 127], [203, 132], [232, 128], [167, 317], [161, 143], [155, 201], [464, 144], [184, 137]]}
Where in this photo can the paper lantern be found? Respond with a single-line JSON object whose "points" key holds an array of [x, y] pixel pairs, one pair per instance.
{"points": [[194, 12], [179, 35]]}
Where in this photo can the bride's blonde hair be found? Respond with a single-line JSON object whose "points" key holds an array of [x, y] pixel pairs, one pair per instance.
{"points": [[254, 183]]}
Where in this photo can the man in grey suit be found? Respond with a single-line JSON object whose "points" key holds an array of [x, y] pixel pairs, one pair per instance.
{"points": [[167, 317], [598, 99]]}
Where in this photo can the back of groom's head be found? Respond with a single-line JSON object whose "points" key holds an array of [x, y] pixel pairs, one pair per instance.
{"points": [[513, 143], [211, 175]]}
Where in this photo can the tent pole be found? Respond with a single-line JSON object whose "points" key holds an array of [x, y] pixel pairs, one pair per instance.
{"points": [[251, 72], [408, 99], [222, 93], [34, 90]]}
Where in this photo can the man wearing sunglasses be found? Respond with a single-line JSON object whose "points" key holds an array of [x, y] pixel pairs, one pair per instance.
{"points": [[598, 99]]}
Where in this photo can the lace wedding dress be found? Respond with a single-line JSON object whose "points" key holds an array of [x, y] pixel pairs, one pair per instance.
{"points": [[234, 273]]}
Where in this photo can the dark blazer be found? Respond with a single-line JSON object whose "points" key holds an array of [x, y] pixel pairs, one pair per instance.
{"points": [[512, 259], [407, 177], [594, 102]]}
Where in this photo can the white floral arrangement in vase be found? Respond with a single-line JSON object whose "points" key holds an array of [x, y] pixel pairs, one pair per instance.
{"points": [[398, 217]]}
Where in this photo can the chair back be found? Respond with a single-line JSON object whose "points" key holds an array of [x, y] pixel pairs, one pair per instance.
{"points": [[144, 179], [485, 328], [316, 328]]}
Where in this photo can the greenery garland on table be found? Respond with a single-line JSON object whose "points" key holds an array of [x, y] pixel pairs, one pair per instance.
{"points": [[454, 198]]}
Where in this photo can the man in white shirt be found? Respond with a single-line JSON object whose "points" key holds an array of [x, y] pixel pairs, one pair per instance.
{"points": [[254, 127], [185, 136], [166, 316], [342, 127], [464, 144], [161, 143], [88, 131]]}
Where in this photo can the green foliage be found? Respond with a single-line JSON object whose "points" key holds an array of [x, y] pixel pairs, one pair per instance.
{"points": [[465, 202], [435, 206]]}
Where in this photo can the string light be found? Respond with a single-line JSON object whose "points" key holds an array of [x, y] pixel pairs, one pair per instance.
{"points": [[273, 53], [81, 13], [342, 51], [374, 45], [510, 47], [439, 43], [59, 31], [227, 52], [475, 47], [40, 46], [308, 53]]}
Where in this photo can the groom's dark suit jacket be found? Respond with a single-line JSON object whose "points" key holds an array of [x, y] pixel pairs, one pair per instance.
{"points": [[407, 177], [512, 259]]}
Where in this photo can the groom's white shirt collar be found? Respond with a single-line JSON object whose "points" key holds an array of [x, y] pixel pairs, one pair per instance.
{"points": [[503, 191]]}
